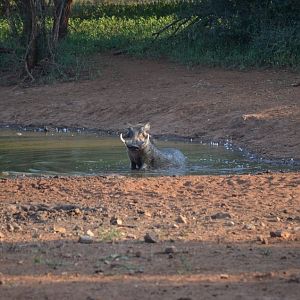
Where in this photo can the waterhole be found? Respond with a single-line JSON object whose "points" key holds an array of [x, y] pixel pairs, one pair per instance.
{"points": [[69, 154]]}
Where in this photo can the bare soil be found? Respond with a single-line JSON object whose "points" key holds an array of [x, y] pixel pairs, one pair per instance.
{"points": [[214, 237]]}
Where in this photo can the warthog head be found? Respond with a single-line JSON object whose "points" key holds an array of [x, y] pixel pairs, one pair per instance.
{"points": [[137, 137], [137, 141], [143, 154]]}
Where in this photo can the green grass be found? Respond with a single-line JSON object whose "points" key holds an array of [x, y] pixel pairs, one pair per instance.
{"points": [[109, 234], [130, 26]]}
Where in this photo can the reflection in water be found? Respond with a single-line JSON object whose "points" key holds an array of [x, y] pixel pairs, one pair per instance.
{"points": [[66, 154]]}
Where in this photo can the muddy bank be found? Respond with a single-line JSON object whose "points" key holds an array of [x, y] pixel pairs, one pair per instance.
{"points": [[257, 110]]}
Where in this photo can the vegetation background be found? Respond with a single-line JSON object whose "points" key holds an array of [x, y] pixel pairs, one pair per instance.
{"points": [[227, 33]]}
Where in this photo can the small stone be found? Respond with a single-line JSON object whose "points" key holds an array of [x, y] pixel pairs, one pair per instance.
{"points": [[77, 211], [36, 235], [224, 276], [59, 229], [181, 219], [131, 236], [170, 250], [280, 233], [262, 224], [221, 215], [150, 238], [138, 253], [17, 227], [67, 255], [85, 239], [249, 227], [116, 221], [77, 227], [175, 226], [12, 208], [273, 219], [229, 223], [10, 227], [262, 239], [264, 275], [90, 233]]}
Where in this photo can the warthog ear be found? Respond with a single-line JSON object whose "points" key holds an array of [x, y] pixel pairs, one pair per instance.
{"points": [[147, 127]]}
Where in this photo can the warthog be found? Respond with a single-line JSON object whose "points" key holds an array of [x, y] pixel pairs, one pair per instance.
{"points": [[143, 154]]}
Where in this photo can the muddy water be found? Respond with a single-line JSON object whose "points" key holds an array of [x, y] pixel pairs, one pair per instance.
{"points": [[77, 154]]}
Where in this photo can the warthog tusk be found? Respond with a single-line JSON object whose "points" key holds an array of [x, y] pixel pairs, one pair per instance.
{"points": [[121, 137], [148, 137]]}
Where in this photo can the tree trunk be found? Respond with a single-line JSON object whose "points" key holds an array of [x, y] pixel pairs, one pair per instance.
{"points": [[28, 14], [64, 21], [62, 10]]}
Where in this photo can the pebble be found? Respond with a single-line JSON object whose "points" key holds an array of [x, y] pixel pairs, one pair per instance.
{"points": [[150, 238], [85, 239], [77, 227], [36, 235], [170, 250], [229, 223], [77, 211], [12, 208], [249, 227], [138, 253], [280, 233], [181, 219], [131, 236], [224, 276], [221, 215], [274, 219], [10, 227], [17, 227], [90, 233], [59, 229], [116, 221], [263, 240], [296, 228], [262, 224]]}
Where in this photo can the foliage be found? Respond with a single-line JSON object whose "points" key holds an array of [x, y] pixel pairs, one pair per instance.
{"points": [[230, 33], [31, 28], [109, 234]]}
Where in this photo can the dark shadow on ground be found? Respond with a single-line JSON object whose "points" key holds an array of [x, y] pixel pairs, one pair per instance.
{"points": [[65, 269]]}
